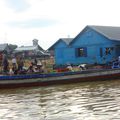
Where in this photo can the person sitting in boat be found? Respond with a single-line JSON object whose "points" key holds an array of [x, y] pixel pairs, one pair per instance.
{"points": [[82, 66], [31, 69], [69, 67], [15, 70], [11, 72], [35, 69], [39, 65]]}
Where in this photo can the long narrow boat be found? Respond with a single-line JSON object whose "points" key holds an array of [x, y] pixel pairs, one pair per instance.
{"points": [[27, 80]]}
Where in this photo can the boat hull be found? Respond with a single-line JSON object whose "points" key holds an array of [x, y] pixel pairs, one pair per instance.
{"points": [[60, 78]]}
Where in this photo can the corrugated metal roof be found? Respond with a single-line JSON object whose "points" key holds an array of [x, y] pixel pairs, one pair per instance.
{"points": [[26, 48], [67, 40], [110, 32], [37, 49]]}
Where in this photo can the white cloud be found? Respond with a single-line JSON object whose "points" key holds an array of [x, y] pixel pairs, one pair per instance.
{"points": [[71, 16], [17, 6]]}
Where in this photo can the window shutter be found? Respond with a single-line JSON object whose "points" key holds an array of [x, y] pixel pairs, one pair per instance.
{"points": [[76, 52], [85, 52], [101, 52]]}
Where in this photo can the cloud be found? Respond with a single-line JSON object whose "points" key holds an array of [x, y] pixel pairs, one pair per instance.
{"points": [[18, 5], [48, 20], [33, 23]]}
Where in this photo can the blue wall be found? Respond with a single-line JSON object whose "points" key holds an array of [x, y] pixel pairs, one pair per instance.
{"points": [[93, 42]]}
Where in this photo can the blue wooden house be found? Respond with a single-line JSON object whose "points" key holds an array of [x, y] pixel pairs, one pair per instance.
{"points": [[59, 49], [94, 44]]}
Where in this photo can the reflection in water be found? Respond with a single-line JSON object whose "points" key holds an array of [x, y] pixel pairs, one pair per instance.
{"points": [[83, 101]]}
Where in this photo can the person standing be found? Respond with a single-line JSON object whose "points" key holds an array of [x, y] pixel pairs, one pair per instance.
{"points": [[5, 63], [14, 63], [35, 61], [20, 63]]}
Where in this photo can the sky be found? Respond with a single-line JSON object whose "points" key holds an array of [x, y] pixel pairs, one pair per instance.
{"points": [[21, 21]]}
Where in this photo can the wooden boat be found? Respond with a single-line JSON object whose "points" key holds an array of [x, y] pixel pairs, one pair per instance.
{"points": [[27, 80]]}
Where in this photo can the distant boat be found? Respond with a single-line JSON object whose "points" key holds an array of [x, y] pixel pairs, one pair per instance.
{"points": [[30, 80]]}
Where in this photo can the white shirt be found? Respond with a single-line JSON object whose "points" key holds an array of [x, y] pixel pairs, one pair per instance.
{"points": [[39, 63], [14, 60]]}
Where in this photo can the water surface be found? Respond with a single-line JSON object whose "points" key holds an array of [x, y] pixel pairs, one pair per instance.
{"points": [[83, 101]]}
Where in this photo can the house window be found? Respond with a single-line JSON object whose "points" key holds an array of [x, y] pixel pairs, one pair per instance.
{"points": [[81, 52], [108, 50], [101, 52]]}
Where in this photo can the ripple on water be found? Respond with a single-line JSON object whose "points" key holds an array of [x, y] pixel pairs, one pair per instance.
{"points": [[84, 101]]}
